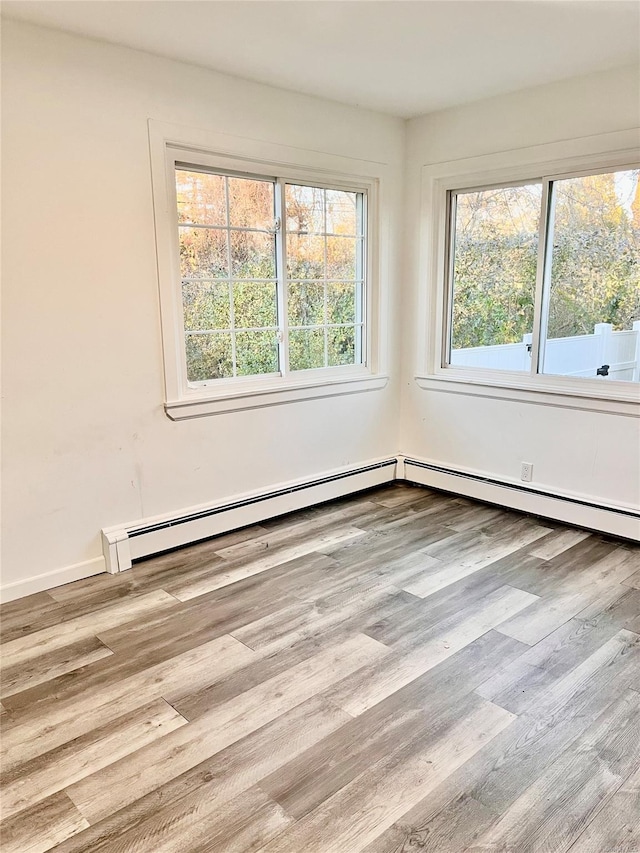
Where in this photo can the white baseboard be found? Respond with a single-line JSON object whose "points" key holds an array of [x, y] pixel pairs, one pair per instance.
{"points": [[126, 542], [571, 508], [49, 580]]}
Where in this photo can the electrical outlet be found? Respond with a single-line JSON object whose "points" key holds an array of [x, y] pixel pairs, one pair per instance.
{"points": [[526, 472]]}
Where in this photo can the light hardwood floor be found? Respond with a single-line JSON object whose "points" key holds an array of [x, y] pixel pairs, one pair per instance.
{"points": [[399, 671]]}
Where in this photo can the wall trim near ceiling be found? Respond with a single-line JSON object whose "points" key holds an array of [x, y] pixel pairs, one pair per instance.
{"points": [[124, 543]]}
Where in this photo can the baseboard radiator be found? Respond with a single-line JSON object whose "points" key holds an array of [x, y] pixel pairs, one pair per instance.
{"points": [[570, 509], [127, 542], [124, 543]]}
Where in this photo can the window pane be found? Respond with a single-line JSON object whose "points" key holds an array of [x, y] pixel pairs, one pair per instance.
{"points": [[230, 279], [341, 257], [252, 255], [306, 303], [342, 346], [341, 303], [251, 203], [304, 209], [306, 348], [206, 305], [256, 352], [325, 272], [254, 304], [201, 198], [305, 257], [494, 243], [594, 286], [342, 212], [203, 253], [208, 357]]}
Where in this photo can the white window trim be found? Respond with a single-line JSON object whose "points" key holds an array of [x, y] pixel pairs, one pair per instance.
{"points": [[598, 153], [173, 143]]}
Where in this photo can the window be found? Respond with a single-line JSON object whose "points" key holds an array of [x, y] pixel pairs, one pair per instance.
{"points": [[270, 271], [247, 313], [226, 228], [493, 281], [592, 288], [325, 276], [544, 277]]}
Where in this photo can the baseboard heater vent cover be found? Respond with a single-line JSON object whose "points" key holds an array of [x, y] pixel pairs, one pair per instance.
{"points": [[571, 509], [127, 542]]}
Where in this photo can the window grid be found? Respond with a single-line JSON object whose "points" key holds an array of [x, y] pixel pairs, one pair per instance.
{"points": [[357, 282], [335, 351], [193, 332], [232, 315], [233, 279], [232, 330], [325, 326], [281, 268], [325, 295], [357, 236]]}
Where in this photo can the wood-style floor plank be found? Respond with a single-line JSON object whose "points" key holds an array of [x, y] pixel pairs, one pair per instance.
{"points": [[570, 598], [633, 580], [213, 782], [616, 826], [26, 674], [181, 750], [41, 827], [23, 615], [60, 768], [450, 829], [363, 809], [278, 556], [292, 624], [478, 554], [493, 780], [83, 627], [399, 671], [245, 823], [557, 542], [357, 693], [393, 496], [518, 759], [40, 730], [553, 812], [304, 783]]}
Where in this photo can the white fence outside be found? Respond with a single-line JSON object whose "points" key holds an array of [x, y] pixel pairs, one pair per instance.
{"points": [[581, 355]]}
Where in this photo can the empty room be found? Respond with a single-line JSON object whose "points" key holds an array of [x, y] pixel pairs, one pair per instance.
{"points": [[320, 426]]}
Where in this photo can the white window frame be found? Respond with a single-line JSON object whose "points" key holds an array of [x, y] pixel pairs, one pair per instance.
{"points": [[172, 145], [541, 164]]}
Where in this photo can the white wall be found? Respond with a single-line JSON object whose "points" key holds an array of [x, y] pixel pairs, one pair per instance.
{"points": [[590, 454], [86, 442]]}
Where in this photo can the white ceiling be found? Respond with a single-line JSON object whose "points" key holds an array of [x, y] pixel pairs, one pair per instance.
{"points": [[402, 58]]}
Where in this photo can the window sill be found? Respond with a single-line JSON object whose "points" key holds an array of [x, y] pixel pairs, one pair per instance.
{"points": [[235, 400], [551, 391]]}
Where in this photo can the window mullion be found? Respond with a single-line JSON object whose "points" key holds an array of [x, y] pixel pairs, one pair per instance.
{"points": [[325, 286], [541, 305], [230, 285], [359, 295], [281, 276], [444, 356]]}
